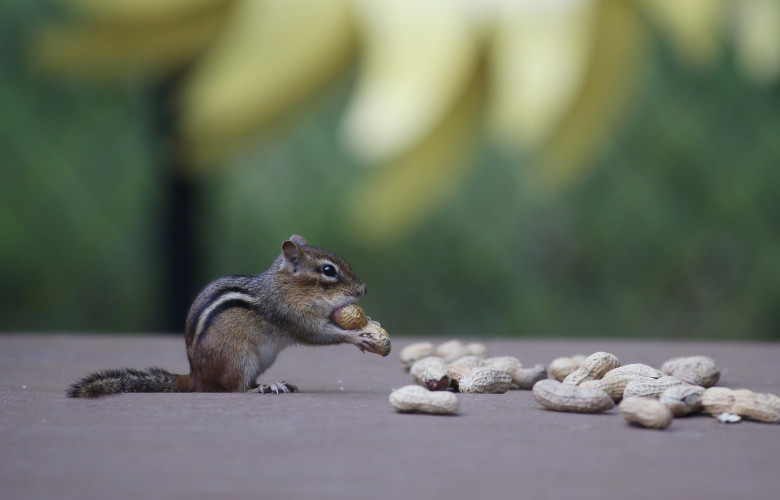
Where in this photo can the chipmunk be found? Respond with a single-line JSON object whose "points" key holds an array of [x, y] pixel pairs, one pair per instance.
{"points": [[237, 325]]}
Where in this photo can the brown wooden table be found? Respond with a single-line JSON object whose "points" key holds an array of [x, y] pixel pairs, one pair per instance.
{"points": [[338, 438]]}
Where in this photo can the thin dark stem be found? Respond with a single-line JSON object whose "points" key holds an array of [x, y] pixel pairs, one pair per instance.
{"points": [[178, 238]]}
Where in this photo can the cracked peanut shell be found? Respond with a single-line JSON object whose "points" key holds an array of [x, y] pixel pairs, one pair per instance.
{"points": [[379, 340], [682, 399], [462, 367], [431, 372]]}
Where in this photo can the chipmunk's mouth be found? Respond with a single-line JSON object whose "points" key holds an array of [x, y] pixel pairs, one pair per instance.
{"points": [[335, 315]]}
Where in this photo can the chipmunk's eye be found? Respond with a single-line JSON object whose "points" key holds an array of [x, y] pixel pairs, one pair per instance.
{"points": [[328, 270]]}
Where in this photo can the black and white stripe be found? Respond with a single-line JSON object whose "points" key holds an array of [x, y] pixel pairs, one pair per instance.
{"points": [[221, 301]]}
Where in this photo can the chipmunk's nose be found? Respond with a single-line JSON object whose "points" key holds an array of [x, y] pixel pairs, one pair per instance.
{"points": [[362, 290]]}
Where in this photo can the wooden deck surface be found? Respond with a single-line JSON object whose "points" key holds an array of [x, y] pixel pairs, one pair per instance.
{"points": [[338, 438]]}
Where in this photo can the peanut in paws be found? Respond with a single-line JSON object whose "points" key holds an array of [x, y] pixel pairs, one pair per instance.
{"points": [[374, 338], [378, 341], [351, 317]]}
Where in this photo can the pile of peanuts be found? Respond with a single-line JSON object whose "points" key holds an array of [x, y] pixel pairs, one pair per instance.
{"points": [[646, 396]]}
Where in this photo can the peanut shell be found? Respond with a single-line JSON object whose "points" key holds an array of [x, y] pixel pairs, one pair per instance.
{"points": [[762, 407], [431, 372], [635, 370], [556, 396], [593, 368], [682, 399], [525, 378], [351, 317], [476, 349], [717, 400], [483, 380], [415, 351], [646, 412], [462, 367], [702, 366], [649, 387], [451, 350], [522, 378], [417, 399], [615, 380], [561, 367], [506, 363], [378, 339], [597, 384]]}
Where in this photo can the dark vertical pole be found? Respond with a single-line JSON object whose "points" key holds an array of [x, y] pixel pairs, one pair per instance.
{"points": [[178, 238], [180, 245]]}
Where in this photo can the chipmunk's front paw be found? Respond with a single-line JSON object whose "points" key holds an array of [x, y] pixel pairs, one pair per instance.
{"points": [[374, 338], [275, 387]]}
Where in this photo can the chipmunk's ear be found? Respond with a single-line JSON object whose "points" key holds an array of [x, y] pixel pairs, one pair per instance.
{"points": [[292, 250], [298, 240]]}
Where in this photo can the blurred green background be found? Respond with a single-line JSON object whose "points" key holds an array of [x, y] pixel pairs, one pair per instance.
{"points": [[672, 230]]}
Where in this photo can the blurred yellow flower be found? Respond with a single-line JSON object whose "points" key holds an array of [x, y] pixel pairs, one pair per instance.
{"points": [[548, 78]]}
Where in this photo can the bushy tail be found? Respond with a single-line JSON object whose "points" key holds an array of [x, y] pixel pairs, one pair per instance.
{"points": [[128, 380]]}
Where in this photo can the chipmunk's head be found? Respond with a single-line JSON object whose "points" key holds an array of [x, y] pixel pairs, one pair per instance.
{"points": [[318, 274]]}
